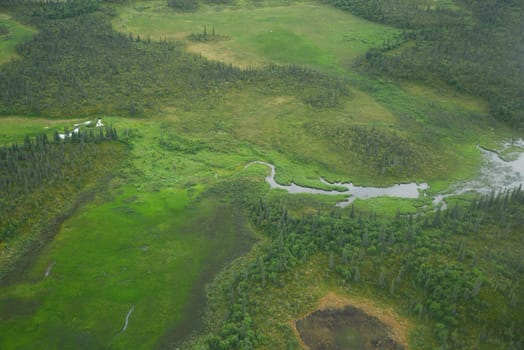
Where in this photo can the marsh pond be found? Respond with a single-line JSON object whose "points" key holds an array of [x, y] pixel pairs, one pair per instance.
{"points": [[347, 328]]}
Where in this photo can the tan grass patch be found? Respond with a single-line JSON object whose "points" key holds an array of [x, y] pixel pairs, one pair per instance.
{"points": [[219, 51]]}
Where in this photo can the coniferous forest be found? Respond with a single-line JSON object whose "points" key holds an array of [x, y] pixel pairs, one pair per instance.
{"points": [[477, 49]]}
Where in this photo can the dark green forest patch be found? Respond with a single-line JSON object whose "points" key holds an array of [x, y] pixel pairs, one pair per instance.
{"points": [[473, 48]]}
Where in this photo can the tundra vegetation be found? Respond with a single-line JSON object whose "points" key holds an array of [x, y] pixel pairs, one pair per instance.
{"points": [[149, 231]]}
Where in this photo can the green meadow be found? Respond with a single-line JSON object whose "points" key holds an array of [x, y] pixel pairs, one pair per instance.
{"points": [[297, 33], [150, 251]]}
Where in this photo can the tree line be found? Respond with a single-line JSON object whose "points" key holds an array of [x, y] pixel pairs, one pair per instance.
{"points": [[192, 5], [42, 165]]}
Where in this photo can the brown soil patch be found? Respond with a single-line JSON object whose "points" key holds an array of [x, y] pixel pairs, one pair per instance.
{"points": [[399, 327]]}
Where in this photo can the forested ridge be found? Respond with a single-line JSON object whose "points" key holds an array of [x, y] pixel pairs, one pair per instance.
{"points": [[474, 46]]}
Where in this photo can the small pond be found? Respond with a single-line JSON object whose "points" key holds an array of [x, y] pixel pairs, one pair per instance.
{"points": [[348, 328]]}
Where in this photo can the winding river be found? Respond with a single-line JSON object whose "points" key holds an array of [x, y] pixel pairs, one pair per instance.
{"points": [[496, 174], [409, 190]]}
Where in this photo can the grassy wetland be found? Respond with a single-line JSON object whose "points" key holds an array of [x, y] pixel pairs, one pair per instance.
{"points": [[129, 216]]}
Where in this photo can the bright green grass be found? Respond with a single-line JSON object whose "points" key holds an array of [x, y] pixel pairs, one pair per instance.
{"points": [[301, 33], [17, 34], [147, 242], [142, 249]]}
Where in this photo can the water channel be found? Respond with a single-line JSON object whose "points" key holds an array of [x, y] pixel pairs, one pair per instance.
{"points": [[496, 174]]}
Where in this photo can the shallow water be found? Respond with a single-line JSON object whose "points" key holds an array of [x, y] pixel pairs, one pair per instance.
{"points": [[496, 174], [409, 190]]}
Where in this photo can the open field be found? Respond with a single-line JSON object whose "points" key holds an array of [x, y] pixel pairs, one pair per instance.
{"points": [[14, 129], [258, 35]]}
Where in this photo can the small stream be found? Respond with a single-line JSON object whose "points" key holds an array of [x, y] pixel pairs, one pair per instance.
{"points": [[496, 174]]}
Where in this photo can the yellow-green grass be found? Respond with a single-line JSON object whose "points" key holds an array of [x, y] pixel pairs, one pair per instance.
{"points": [[17, 33], [305, 33], [276, 130], [388, 207], [151, 250]]}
